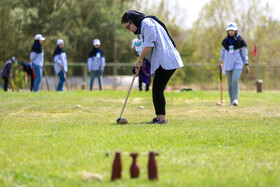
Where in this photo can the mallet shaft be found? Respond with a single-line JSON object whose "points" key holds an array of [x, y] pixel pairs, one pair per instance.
{"points": [[127, 96]]}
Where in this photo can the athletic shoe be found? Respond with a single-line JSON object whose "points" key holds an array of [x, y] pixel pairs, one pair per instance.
{"points": [[235, 102], [153, 121], [163, 121], [158, 121]]}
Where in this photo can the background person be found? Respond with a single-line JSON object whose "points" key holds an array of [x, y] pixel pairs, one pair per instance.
{"points": [[159, 49], [37, 60], [60, 63], [234, 53], [29, 73], [137, 47], [96, 63], [6, 72]]}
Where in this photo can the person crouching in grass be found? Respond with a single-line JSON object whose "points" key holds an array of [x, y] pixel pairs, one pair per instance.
{"points": [[27, 67], [6, 72]]}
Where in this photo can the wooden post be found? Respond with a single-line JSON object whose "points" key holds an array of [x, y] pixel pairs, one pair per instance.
{"points": [[259, 85]]}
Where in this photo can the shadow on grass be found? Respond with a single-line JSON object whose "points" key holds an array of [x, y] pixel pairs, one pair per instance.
{"points": [[141, 123]]}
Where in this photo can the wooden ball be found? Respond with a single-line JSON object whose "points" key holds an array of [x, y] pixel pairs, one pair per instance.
{"points": [[123, 121]]}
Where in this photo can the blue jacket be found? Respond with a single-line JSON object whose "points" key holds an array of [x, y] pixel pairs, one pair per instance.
{"points": [[6, 69]]}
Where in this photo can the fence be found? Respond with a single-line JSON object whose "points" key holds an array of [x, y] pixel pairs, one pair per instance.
{"points": [[194, 75]]}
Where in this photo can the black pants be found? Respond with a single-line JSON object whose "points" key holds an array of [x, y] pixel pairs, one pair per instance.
{"points": [[6, 82], [161, 79], [141, 83]]}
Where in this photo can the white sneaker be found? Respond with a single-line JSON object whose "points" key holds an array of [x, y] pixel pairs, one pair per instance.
{"points": [[235, 102]]}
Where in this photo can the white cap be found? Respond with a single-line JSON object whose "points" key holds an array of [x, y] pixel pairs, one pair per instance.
{"points": [[96, 42], [59, 41], [232, 26], [39, 37]]}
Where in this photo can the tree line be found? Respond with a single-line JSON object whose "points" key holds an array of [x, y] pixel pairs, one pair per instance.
{"points": [[79, 22]]}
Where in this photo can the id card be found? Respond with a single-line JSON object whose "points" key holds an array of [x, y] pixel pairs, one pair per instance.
{"points": [[138, 46], [231, 49], [98, 55]]}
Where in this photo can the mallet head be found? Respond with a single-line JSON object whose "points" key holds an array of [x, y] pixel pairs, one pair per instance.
{"points": [[122, 121]]}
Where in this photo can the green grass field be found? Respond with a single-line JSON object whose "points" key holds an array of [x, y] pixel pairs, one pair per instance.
{"points": [[46, 141]]}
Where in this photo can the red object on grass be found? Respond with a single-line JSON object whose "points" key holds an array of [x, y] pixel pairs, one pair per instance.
{"points": [[117, 167], [134, 168], [254, 51], [152, 166]]}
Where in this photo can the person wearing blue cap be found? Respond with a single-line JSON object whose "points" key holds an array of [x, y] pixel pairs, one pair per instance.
{"points": [[60, 63], [160, 50], [37, 60], [234, 53], [96, 63], [6, 71]]}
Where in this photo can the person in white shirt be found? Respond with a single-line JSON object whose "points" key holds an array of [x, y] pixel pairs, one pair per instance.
{"points": [[96, 63], [160, 50], [37, 60], [234, 53], [60, 63]]}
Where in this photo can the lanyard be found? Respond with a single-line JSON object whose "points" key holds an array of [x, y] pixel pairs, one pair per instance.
{"points": [[138, 33], [231, 42], [138, 29]]}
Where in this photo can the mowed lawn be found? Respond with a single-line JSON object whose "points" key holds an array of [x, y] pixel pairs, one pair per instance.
{"points": [[45, 140]]}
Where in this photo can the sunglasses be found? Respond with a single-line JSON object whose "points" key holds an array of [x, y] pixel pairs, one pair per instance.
{"points": [[128, 26]]}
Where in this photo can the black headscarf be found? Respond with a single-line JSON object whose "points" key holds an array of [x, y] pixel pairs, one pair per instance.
{"points": [[26, 67], [236, 41], [137, 18], [58, 51], [36, 47], [94, 51]]}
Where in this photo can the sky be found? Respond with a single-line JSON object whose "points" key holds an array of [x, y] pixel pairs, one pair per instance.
{"points": [[191, 9]]}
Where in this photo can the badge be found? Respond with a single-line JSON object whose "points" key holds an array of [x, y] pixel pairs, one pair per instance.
{"points": [[98, 55], [231, 49], [138, 46]]}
